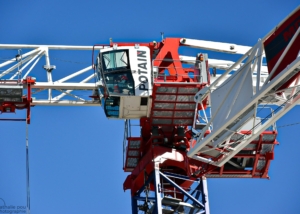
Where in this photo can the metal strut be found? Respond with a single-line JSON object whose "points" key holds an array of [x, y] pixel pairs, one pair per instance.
{"points": [[162, 201]]}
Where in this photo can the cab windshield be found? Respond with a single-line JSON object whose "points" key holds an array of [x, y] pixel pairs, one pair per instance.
{"points": [[116, 73]]}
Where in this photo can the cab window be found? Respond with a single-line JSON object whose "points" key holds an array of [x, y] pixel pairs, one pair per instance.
{"points": [[119, 83], [115, 60]]}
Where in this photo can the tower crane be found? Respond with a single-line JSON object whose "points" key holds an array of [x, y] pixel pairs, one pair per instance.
{"points": [[195, 122]]}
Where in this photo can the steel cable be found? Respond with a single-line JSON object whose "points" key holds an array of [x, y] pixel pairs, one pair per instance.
{"points": [[27, 173]]}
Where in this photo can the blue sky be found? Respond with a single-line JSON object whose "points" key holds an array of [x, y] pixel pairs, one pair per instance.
{"points": [[76, 153]]}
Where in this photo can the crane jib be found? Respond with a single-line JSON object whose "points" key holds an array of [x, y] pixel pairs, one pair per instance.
{"points": [[276, 43], [142, 69]]}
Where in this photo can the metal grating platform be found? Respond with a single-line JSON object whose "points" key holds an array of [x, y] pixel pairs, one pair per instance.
{"points": [[173, 104], [132, 153], [253, 161]]}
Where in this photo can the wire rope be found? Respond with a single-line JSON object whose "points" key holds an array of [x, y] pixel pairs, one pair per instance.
{"points": [[27, 172]]}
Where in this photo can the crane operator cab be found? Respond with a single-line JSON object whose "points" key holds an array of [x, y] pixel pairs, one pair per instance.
{"points": [[124, 81]]}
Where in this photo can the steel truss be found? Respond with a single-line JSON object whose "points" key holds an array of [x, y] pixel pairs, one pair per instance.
{"points": [[234, 103], [159, 201], [62, 90]]}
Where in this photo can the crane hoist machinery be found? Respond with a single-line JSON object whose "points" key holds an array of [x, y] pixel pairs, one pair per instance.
{"points": [[194, 122]]}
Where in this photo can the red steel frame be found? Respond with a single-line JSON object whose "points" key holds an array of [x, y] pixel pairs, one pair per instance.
{"points": [[151, 146]]}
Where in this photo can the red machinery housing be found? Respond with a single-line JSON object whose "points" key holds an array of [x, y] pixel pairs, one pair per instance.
{"points": [[12, 98]]}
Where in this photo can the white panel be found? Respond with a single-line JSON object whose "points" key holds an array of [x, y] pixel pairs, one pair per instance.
{"points": [[141, 70], [249, 125], [131, 107], [236, 93]]}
